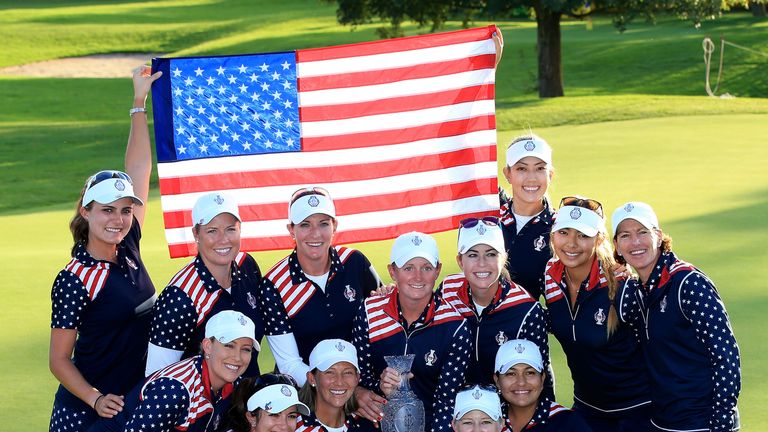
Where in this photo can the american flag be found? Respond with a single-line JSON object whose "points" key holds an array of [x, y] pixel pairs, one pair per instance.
{"points": [[401, 132]]}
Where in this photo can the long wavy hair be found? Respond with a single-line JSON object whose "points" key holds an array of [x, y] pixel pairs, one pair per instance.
{"points": [[308, 395], [78, 226]]}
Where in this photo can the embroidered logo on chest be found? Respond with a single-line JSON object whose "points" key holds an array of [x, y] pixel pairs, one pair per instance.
{"points": [[349, 293], [539, 243], [663, 304], [131, 264], [599, 316], [430, 358], [251, 300], [501, 338]]}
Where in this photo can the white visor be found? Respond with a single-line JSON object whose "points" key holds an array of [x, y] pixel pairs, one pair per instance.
{"points": [[277, 398], [582, 219], [308, 205]]}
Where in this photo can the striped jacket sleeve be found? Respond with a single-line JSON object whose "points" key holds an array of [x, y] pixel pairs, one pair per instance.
{"points": [[363, 346]]}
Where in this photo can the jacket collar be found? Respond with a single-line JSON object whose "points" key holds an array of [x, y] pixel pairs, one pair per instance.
{"points": [[210, 283], [297, 273]]}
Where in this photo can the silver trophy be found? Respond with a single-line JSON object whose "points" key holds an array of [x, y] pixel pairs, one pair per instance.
{"points": [[404, 412]]}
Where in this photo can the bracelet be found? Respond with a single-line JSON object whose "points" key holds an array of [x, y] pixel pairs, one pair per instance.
{"points": [[133, 111], [97, 401]]}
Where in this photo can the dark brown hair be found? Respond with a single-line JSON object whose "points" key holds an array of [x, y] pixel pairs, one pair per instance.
{"points": [[78, 226]]}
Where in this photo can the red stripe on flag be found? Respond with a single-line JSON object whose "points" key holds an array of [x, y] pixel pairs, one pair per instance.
{"points": [[398, 104], [349, 206], [357, 79], [395, 45], [398, 136], [371, 234], [321, 174]]}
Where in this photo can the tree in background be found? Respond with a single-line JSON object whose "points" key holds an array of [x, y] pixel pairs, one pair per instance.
{"points": [[548, 14]]}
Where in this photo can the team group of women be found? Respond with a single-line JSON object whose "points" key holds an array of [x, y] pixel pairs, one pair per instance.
{"points": [[647, 338]]}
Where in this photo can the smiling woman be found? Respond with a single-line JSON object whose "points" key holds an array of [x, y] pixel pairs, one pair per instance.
{"points": [[195, 392], [101, 301], [219, 278]]}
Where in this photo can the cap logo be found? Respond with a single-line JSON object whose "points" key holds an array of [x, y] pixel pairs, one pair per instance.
{"points": [[477, 394], [481, 229], [241, 320], [416, 240], [219, 200], [119, 185], [268, 406], [340, 347], [519, 348], [529, 146], [629, 207], [313, 201], [575, 214], [285, 391]]}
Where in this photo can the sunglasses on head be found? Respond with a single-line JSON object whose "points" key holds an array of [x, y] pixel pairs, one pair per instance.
{"points": [[106, 175], [472, 222], [309, 191], [582, 202], [470, 386]]}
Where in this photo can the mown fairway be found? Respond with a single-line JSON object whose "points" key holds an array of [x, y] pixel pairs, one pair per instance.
{"points": [[633, 126]]}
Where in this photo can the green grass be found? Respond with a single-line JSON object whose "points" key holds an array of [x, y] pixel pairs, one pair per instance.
{"points": [[633, 126]]}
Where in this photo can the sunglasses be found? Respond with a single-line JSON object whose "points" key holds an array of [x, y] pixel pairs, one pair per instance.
{"points": [[472, 222], [106, 175], [309, 191], [582, 202], [470, 386]]}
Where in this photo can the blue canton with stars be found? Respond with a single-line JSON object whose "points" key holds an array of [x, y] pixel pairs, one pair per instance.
{"points": [[227, 106]]}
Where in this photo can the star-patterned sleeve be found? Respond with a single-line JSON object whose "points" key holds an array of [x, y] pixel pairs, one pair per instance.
{"points": [[273, 311], [451, 379], [705, 310], [628, 307], [164, 405], [363, 346], [534, 329], [174, 320], [69, 299]]}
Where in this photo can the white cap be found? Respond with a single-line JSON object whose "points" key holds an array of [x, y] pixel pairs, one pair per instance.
{"points": [[518, 351], [636, 210], [111, 189], [481, 233], [308, 205], [412, 245], [582, 219], [212, 204], [229, 325], [535, 146], [328, 352], [277, 398], [477, 398]]}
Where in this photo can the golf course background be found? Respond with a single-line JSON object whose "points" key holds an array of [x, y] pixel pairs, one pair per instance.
{"points": [[633, 126]]}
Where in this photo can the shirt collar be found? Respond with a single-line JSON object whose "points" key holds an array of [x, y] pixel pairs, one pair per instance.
{"points": [[209, 281], [297, 273]]}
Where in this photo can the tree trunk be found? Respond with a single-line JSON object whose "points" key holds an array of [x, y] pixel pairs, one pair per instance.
{"points": [[758, 9], [548, 45]]}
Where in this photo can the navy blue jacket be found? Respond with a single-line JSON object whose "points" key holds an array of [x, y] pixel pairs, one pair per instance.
{"points": [[692, 355], [440, 340], [193, 296], [175, 398], [310, 423], [291, 303], [528, 251], [513, 314], [550, 417], [609, 373], [109, 304]]}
